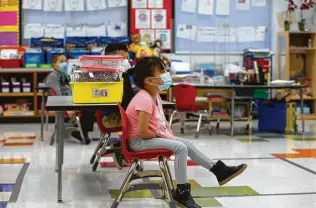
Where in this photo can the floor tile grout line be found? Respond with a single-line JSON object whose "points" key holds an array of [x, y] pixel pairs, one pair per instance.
{"points": [[299, 166], [18, 183]]}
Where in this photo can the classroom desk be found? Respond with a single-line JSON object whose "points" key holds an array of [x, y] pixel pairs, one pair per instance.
{"points": [[45, 90], [60, 104], [234, 88]]}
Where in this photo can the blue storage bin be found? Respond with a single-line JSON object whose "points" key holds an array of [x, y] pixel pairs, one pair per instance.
{"points": [[75, 53], [272, 117], [34, 56], [53, 51]]}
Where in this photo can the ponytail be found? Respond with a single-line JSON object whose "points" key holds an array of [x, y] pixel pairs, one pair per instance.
{"points": [[128, 92]]}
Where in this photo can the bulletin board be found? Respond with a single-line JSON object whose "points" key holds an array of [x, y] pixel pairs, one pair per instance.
{"points": [[152, 19], [95, 16], [196, 31], [10, 22]]}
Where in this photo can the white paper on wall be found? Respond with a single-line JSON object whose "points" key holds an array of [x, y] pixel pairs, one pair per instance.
{"points": [[54, 31], [188, 6], [96, 30], [53, 5], [147, 35], [117, 3], [261, 33], [165, 37], [155, 3], [142, 18], [223, 7], [75, 30], [117, 29], [158, 19], [206, 7], [186, 31], [242, 4], [74, 5], [32, 4], [225, 35], [206, 34], [246, 34], [139, 4], [33, 30], [259, 3], [95, 5]]}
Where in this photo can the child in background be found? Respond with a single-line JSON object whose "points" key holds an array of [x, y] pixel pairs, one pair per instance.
{"points": [[59, 82], [118, 49], [149, 130]]}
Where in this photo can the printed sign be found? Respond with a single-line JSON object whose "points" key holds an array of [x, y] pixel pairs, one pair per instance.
{"points": [[100, 93]]}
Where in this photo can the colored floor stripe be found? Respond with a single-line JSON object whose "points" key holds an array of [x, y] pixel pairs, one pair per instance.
{"points": [[3, 205], [304, 139], [22, 137], [253, 140], [203, 192], [6, 187], [302, 153], [16, 144], [12, 161]]}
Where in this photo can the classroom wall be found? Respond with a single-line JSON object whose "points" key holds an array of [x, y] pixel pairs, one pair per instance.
{"points": [[277, 6]]}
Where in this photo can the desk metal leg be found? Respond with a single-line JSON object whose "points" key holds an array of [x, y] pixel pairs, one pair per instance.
{"points": [[60, 152], [232, 116], [42, 116], [302, 110]]}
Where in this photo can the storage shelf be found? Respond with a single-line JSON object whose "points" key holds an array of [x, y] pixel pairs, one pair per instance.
{"points": [[16, 94], [24, 70], [301, 50], [307, 117], [297, 98]]}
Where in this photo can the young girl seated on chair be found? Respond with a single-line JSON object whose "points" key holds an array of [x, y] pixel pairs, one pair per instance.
{"points": [[149, 130]]}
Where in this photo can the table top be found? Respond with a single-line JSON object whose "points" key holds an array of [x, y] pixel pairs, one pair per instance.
{"points": [[64, 103], [211, 86]]}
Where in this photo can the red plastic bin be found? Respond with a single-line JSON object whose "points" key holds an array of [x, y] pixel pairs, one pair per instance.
{"points": [[12, 63]]}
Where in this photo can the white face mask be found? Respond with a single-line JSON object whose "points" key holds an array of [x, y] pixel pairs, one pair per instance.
{"points": [[167, 81]]}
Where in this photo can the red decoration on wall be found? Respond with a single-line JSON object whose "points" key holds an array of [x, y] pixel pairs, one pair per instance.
{"points": [[168, 5]]}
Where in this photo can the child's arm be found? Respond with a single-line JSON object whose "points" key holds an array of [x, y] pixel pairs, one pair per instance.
{"points": [[144, 131]]}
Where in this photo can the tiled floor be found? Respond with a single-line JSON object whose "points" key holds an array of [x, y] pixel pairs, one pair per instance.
{"points": [[281, 172]]}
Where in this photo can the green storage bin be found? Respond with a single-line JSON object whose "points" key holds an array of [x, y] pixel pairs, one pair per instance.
{"points": [[261, 94]]}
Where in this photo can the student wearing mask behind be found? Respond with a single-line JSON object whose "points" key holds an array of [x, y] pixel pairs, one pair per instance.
{"points": [[119, 49], [59, 82]]}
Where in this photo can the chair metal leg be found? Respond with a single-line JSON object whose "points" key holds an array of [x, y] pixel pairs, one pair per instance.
{"points": [[182, 120], [248, 127], [171, 117], [80, 130], [169, 176], [102, 138], [165, 181], [199, 125], [208, 117], [46, 119], [101, 153], [124, 185]]}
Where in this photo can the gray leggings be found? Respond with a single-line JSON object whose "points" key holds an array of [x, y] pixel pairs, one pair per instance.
{"points": [[181, 148]]}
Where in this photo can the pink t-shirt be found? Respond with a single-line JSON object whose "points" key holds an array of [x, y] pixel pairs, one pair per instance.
{"points": [[157, 121]]}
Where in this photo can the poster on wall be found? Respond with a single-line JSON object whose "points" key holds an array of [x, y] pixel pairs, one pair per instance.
{"points": [[95, 5], [53, 5], [74, 5], [32, 4], [165, 37], [142, 17], [33, 31], [155, 3], [54, 31], [117, 3], [147, 36], [118, 29], [152, 20], [139, 4]]}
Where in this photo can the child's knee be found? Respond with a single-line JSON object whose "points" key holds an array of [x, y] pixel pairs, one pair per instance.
{"points": [[181, 149]]}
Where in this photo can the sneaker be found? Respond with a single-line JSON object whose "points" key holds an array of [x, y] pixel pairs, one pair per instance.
{"points": [[225, 173], [183, 196]]}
